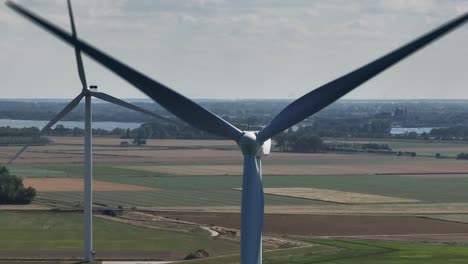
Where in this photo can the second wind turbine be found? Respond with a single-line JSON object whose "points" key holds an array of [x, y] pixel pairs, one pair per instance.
{"points": [[88, 151]]}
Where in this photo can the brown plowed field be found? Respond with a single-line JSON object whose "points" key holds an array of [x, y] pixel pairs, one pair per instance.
{"points": [[332, 225], [76, 185]]}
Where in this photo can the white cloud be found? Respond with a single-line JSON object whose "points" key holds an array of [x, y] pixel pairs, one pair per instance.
{"points": [[198, 46], [417, 6]]}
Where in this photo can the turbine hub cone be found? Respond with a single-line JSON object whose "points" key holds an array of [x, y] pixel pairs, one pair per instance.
{"points": [[249, 144]]}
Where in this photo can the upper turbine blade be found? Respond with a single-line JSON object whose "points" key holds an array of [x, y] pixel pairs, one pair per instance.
{"points": [[117, 101], [79, 61], [182, 107], [321, 97], [52, 122]]}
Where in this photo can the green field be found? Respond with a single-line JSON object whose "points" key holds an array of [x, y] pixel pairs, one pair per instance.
{"points": [[427, 190], [360, 252], [165, 198], [352, 252], [462, 218], [218, 190], [72, 170], [46, 231]]}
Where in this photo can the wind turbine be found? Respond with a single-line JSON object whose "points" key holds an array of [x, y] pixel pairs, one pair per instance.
{"points": [[252, 144], [88, 155]]}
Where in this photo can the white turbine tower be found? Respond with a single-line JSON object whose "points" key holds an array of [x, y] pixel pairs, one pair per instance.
{"points": [[88, 155], [252, 144]]}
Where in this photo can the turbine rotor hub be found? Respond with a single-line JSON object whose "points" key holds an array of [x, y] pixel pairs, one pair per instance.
{"points": [[249, 144]]}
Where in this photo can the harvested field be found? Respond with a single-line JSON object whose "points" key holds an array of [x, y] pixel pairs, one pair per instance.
{"points": [[149, 142], [335, 196], [462, 148], [130, 155], [76, 185], [192, 170], [328, 163], [334, 209], [23, 207], [174, 154], [331, 225], [312, 169]]}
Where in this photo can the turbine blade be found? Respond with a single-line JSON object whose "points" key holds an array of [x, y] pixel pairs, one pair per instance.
{"points": [[18, 153], [325, 95], [187, 110], [122, 103], [52, 122], [251, 211], [79, 61]]}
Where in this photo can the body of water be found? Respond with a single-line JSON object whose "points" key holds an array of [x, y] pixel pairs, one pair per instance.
{"points": [[108, 125], [404, 130]]}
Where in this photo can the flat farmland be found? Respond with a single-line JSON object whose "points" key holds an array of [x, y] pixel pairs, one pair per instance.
{"points": [[335, 196], [197, 181], [76, 184], [421, 147], [115, 141], [55, 236], [186, 174], [212, 191], [163, 198], [359, 252], [331, 225], [308, 169], [336, 209], [432, 190]]}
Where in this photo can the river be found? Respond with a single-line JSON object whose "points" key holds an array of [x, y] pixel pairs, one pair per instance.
{"points": [[107, 125]]}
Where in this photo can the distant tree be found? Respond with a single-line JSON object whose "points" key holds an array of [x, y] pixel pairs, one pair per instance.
{"points": [[139, 141], [437, 156], [305, 143], [12, 190], [425, 136], [127, 134], [281, 141]]}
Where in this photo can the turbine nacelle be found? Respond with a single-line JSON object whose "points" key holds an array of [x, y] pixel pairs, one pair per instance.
{"points": [[250, 145]]}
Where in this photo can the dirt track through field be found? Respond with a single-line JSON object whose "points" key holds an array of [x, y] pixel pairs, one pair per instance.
{"points": [[76, 185]]}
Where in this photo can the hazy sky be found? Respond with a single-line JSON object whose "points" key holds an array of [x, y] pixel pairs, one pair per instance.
{"points": [[237, 49]]}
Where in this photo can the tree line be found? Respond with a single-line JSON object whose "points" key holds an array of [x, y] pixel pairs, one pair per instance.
{"points": [[21, 136], [12, 190], [302, 140]]}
